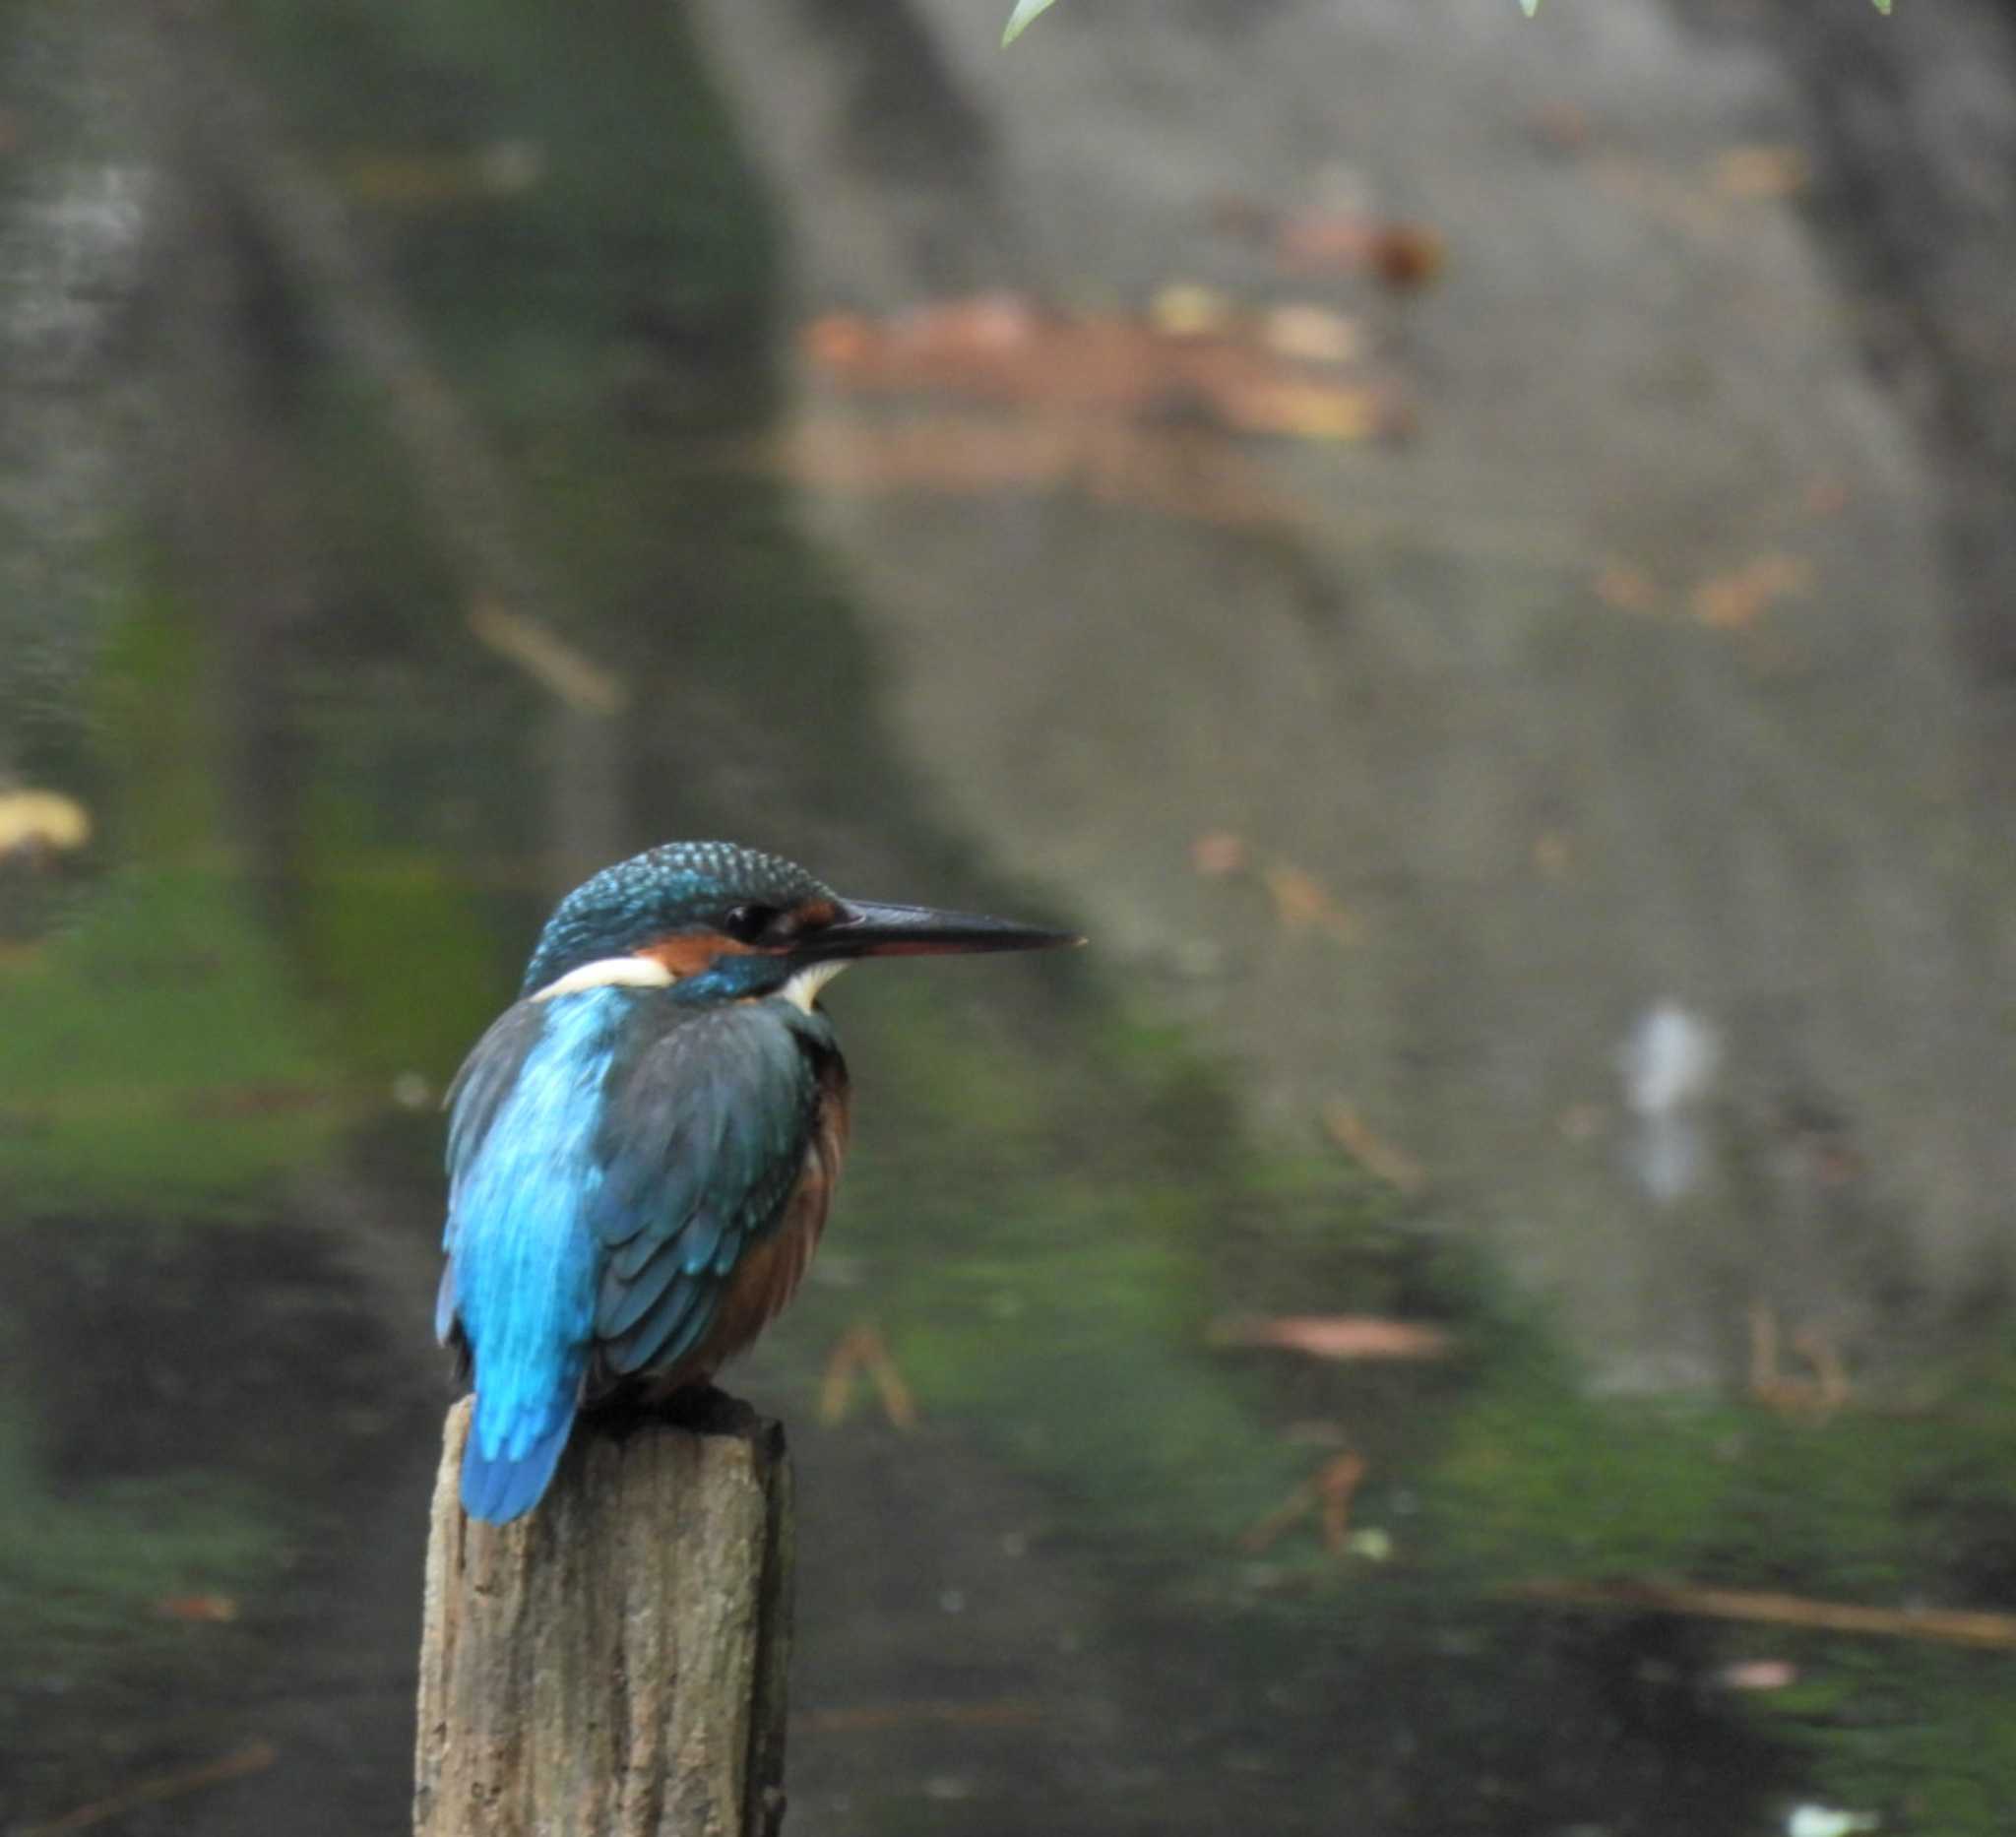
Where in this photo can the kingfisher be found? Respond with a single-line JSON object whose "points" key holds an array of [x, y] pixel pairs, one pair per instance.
{"points": [[642, 1150]]}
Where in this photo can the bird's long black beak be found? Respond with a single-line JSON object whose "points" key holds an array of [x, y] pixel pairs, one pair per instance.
{"points": [[864, 929]]}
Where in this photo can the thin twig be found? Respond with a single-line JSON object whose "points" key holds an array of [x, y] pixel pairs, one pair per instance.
{"points": [[254, 1758], [1945, 1625]]}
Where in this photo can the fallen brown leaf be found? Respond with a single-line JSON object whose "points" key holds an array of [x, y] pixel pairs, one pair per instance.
{"points": [[1762, 173], [1625, 589], [1185, 310], [1758, 1674], [1301, 903], [1403, 255], [1324, 240], [1311, 334], [1304, 411], [1188, 360], [1216, 853], [207, 1608], [981, 323], [1738, 600], [1407, 256]]}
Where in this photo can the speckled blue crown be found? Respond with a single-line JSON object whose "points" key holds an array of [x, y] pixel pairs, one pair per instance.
{"points": [[676, 884]]}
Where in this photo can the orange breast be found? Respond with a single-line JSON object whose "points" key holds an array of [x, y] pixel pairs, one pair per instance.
{"points": [[769, 1273]]}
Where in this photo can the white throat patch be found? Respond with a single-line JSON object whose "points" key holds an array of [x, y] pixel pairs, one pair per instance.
{"points": [[803, 988], [608, 973]]}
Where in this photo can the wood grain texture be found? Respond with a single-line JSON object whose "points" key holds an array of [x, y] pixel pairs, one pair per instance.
{"points": [[613, 1665]]}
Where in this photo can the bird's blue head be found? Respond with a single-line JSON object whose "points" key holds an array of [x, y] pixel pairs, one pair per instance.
{"points": [[715, 921]]}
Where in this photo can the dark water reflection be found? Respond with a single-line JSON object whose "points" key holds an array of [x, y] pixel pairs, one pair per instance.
{"points": [[334, 787]]}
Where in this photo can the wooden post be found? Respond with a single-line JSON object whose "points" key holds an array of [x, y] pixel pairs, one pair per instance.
{"points": [[612, 1664]]}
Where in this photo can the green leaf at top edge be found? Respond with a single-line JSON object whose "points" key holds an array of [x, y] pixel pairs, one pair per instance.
{"points": [[1027, 10]]}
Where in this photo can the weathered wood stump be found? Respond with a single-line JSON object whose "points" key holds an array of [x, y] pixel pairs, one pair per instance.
{"points": [[613, 1665]]}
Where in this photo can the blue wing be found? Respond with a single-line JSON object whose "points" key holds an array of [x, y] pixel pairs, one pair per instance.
{"points": [[519, 1283], [611, 1156]]}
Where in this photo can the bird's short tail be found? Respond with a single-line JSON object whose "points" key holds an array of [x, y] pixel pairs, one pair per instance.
{"points": [[504, 1476]]}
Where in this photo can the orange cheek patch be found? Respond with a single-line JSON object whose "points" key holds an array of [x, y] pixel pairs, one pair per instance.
{"points": [[687, 953]]}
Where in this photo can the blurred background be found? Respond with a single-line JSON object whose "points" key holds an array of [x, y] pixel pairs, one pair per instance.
{"points": [[1475, 558]]}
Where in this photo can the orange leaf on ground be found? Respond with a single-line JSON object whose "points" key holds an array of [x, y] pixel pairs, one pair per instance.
{"points": [[1188, 361], [1218, 853], [1324, 240], [1407, 256], [1185, 310], [1625, 589], [1311, 334], [1403, 255], [1301, 903], [1736, 600], [1762, 173], [1305, 411], [217, 1607], [1758, 1674], [1346, 1338], [836, 340]]}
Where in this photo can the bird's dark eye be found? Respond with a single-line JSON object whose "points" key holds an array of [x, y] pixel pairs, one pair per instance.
{"points": [[746, 923]]}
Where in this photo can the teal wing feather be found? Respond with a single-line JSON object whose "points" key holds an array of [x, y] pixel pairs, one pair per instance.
{"points": [[704, 1135]]}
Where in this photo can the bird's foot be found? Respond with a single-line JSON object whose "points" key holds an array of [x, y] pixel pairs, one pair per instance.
{"points": [[703, 1409], [707, 1409]]}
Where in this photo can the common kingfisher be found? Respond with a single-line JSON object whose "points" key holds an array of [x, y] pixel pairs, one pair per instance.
{"points": [[642, 1150]]}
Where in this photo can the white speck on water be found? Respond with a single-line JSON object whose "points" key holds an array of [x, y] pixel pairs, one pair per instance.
{"points": [[1669, 1060], [1828, 1821]]}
